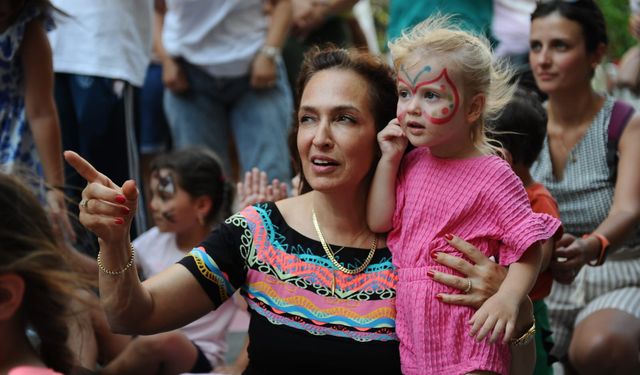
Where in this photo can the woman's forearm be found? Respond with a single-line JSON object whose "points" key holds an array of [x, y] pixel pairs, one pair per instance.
{"points": [[46, 136], [125, 301]]}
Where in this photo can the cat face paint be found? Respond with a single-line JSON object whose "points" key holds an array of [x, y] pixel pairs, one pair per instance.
{"points": [[430, 93], [164, 190]]}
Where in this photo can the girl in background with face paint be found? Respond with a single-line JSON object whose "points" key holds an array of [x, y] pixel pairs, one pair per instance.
{"points": [[452, 182], [189, 196]]}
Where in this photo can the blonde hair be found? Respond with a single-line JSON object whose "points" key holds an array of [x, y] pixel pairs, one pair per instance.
{"points": [[471, 55]]}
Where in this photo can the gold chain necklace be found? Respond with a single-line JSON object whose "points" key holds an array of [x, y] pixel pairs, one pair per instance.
{"points": [[330, 254]]}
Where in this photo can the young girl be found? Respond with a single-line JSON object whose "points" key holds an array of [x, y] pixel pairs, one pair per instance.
{"points": [[36, 287], [29, 131], [189, 195], [452, 182]]}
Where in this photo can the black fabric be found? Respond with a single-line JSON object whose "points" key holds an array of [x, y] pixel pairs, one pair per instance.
{"points": [[202, 364]]}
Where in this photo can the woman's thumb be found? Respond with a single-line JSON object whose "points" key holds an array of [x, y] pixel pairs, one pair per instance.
{"points": [[130, 190]]}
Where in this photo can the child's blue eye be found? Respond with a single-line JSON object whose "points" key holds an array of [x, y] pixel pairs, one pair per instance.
{"points": [[430, 95], [403, 93]]}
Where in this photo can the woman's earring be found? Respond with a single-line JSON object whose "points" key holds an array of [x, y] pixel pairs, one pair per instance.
{"points": [[201, 220]]}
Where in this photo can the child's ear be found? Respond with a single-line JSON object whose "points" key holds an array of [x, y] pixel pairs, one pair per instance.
{"points": [[475, 108], [11, 293], [204, 205]]}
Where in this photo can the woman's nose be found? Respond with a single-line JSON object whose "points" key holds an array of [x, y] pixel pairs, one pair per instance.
{"points": [[543, 57], [322, 136]]}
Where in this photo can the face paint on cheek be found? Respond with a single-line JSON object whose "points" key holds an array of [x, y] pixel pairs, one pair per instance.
{"points": [[450, 100], [168, 216], [401, 115]]}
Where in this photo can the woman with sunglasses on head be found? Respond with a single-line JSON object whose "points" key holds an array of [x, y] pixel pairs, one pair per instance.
{"points": [[319, 284], [595, 305]]}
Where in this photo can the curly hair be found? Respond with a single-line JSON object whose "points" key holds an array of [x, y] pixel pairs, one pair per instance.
{"points": [[471, 55]]}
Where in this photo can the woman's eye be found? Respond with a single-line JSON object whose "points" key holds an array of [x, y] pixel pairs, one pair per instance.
{"points": [[345, 118], [304, 119], [535, 46], [561, 46]]}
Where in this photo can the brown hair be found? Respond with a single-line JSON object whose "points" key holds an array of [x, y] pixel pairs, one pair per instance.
{"points": [[380, 78], [28, 249]]}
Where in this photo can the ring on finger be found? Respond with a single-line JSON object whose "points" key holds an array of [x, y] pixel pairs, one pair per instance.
{"points": [[468, 288], [84, 203]]}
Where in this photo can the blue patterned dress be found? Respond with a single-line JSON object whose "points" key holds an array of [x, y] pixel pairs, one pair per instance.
{"points": [[17, 148]]}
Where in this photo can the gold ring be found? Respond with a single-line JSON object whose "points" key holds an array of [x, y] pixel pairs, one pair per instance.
{"points": [[84, 203], [468, 288]]}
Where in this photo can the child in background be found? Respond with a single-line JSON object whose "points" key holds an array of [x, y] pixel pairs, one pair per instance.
{"points": [[521, 129], [189, 195], [30, 142], [36, 287], [452, 182]]}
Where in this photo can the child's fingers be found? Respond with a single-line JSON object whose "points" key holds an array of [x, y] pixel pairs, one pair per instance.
{"points": [[240, 191], [283, 191], [263, 183], [255, 181], [247, 184], [508, 332], [489, 323], [497, 331], [476, 323]]}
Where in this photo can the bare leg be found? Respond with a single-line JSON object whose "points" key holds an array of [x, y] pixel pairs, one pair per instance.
{"points": [[606, 342], [163, 353]]}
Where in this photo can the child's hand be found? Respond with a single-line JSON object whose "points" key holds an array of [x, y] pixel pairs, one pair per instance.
{"points": [[496, 316], [257, 189], [392, 140]]}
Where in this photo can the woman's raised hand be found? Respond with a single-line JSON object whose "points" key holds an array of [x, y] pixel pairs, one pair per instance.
{"points": [[482, 277], [106, 209]]}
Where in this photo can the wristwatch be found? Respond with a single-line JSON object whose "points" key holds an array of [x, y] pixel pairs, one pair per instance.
{"points": [[271, 52]]}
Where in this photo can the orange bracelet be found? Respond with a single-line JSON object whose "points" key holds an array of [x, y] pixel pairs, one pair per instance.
{"points": [[604, 245]]}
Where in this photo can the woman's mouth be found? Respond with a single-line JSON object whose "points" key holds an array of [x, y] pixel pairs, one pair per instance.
{"points": [[323, 164]]}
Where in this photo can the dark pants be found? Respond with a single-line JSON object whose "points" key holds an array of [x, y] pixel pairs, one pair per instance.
{"points": [[92, 120]]}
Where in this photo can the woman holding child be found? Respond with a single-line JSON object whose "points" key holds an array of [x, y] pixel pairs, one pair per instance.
{"points": [[319, 284]]}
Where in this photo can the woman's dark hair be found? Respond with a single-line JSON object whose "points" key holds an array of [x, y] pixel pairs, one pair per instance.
{"points": [[521, 127], [198, 171], [27, 248], [584, 12], [378, 74]]}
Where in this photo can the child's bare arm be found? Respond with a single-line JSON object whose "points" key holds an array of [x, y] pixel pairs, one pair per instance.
{"points": [[498, 314], [381, 201]]}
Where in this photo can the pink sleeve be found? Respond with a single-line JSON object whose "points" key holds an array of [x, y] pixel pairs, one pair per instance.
{"points": [[520, 227]]}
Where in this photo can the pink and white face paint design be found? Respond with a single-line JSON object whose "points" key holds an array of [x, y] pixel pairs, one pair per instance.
{"points": [[439, 99]]}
